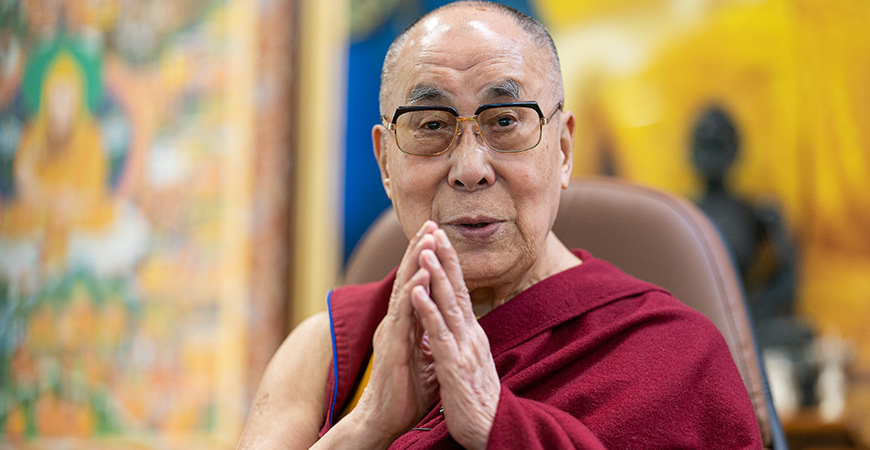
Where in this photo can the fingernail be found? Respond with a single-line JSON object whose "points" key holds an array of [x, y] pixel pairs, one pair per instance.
{"points": [[430, 257], [427, 241], [420, 272], [420, 292], [442, 238]]}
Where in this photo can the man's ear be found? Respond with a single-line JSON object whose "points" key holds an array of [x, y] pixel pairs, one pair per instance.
{"points": [[379, 144], [566, 141]]}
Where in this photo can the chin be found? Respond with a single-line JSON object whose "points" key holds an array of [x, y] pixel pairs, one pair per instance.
{"points": [[482, 269]]}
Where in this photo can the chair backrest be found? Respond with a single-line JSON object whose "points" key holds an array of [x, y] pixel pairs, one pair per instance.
{"points": [[648, 233]]}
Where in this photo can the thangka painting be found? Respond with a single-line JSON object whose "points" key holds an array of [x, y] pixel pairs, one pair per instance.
{"points": [[124, 188]]}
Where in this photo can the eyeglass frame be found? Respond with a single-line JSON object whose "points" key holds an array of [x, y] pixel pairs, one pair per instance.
{"points": [[543, 120]]}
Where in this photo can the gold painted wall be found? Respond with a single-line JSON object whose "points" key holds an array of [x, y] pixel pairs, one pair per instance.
{"points": [[794, 75]]}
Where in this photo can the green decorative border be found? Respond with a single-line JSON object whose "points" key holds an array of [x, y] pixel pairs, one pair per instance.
{"points": [[45, 53]]}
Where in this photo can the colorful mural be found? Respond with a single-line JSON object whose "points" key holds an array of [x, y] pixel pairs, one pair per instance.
{"points": [[124, 199]]}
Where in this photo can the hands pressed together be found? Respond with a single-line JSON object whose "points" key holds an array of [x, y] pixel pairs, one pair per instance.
{"points": [[430, 342]]}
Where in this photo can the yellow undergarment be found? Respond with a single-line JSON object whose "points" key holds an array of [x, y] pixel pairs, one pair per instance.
{"points": [[363, 382]]}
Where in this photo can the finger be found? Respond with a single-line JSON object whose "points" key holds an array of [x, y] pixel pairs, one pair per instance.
{"points": [[440, 340], [411, 252], [408, 268], [424, 344], [400, 307], [400, 320], [441, 291], [449, 259], [407, 265]]}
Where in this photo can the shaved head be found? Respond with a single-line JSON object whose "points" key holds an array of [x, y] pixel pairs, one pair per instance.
{"points": [[534, 30]]}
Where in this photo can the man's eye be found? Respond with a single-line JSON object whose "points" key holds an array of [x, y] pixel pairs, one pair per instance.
{"points": [[433, 126], [503, 120]]}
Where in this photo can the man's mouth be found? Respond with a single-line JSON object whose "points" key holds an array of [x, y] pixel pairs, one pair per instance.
{"points": [[476, 228]]}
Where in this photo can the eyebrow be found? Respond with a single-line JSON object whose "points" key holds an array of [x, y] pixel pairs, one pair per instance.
{"points": [[425, 92], [504, 88]]}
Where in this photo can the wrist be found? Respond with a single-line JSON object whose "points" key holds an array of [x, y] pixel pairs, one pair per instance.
{"points": [[354, 431], [477, 438], [369, 430], [477, 423]]}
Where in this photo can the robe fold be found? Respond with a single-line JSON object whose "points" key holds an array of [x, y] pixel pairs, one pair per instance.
{"points": [[589, 358]]}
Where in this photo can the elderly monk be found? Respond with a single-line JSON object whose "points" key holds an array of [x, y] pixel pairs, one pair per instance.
{"points": [[491, 333]]}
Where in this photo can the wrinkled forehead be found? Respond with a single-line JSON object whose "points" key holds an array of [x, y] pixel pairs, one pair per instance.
{"points": [[471, 56]]}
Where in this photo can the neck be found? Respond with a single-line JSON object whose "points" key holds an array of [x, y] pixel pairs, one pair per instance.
{"points": [[554, 258], [716, 184]]}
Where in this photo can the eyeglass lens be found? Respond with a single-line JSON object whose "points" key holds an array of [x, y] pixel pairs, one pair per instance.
{"points": [[504, 129]]}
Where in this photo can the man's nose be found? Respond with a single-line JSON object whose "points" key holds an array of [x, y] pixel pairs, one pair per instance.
{"points": [[470, 158]]}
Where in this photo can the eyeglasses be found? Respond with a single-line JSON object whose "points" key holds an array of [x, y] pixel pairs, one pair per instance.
{"points": [[504, 127]]}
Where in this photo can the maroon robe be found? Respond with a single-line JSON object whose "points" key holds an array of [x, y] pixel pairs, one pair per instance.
{"points": [[589, 358]]}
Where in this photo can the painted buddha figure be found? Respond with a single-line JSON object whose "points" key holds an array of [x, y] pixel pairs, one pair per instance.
{"points": [[60, 169]]}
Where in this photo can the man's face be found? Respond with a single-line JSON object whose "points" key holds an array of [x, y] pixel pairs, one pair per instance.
{"points": [[496, 208]]}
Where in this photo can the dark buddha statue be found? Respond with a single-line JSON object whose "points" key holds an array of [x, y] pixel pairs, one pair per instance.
{"points": [[757, 236]]}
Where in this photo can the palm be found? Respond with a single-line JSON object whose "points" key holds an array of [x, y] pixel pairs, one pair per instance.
{"points": [[403, 382]]}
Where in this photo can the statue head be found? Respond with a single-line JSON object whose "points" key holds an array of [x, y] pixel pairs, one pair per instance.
{"points": [[715, 144]]}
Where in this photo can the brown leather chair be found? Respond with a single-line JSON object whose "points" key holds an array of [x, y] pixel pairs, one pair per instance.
{"points": [[648, 233]]}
